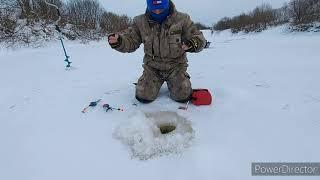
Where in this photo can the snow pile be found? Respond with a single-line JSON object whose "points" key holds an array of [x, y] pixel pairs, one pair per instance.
{"points": [[141, 132], [311, 27]]}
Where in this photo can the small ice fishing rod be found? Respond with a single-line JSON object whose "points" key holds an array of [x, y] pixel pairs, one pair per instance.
{"points": [[60, 33], [92, 104], [107, 107]]}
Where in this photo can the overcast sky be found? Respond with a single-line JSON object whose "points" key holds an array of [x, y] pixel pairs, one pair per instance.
{"points": [[205, 11]]}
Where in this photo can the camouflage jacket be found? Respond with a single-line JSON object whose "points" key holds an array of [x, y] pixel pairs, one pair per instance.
{"points": [[162, 42]]}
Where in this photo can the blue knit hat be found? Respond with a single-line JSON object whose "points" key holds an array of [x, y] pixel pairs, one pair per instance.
{"points": [[157, 4]]}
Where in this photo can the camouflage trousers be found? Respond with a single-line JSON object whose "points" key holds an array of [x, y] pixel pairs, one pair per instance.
{"points": [[177, 78]]}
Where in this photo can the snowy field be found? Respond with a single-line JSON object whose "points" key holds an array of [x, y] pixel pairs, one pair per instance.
{"points": [[266, 109]]}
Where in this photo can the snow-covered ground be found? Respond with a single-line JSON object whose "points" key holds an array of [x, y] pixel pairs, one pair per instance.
{"points": [[266, 109]]}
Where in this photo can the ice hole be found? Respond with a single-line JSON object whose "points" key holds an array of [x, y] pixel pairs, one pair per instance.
{"points": [[154, 134], [166, 128]]}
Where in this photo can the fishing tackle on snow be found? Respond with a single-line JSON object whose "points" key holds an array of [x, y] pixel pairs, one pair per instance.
{"points": [[92, 104], [108, 107], [185, 107], [60, 34]]}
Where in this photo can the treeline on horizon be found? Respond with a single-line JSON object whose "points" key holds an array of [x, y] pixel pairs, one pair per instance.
{"points": [[31, 22], [300, 14]]}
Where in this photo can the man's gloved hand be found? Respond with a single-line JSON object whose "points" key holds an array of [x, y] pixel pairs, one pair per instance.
{"points": [[114, 40], [185, 47], [190, 45]]}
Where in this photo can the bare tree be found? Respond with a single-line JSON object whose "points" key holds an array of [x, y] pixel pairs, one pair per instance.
{"points": [[85, 14], [282, 14], [223, 24], [8, 19], [263, 16], [298, 10], [111, 22]]}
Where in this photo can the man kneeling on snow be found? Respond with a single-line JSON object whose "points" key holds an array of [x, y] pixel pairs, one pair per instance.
{"points": [[167, 35]]}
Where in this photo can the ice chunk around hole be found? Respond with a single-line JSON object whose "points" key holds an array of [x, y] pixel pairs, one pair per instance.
{"points": [[155, 134]]}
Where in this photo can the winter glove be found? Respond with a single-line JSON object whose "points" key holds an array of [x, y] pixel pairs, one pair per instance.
{"points": [[192, 44], [117, 43]]}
